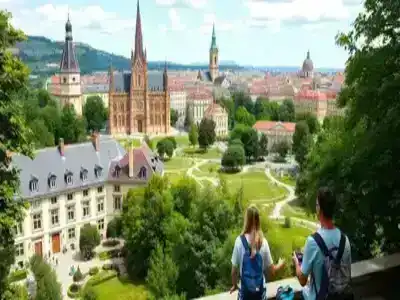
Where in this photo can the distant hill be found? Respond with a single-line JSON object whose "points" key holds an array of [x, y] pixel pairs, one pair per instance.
{"points": [[43, 55]]}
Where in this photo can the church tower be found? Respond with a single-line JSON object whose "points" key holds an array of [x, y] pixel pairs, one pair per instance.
{"points": [[70, 74], [213, 65]]}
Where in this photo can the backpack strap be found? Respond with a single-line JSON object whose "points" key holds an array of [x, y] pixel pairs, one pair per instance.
{"points": [[245, 243], [321, 244], [342, 245]]}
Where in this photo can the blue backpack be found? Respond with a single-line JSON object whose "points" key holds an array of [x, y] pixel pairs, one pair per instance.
{"points": [[252, 278], [285, 293]]}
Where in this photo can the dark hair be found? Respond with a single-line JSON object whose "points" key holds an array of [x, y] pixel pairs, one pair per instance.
{"points": [[327, 202]]}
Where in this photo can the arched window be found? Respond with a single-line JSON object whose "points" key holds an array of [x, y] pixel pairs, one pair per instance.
{"points": [[215, 60], [114, 106], [33, 185], [115, 121]]}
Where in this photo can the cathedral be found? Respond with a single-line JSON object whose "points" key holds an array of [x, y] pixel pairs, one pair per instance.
{"points": [[139, 101]]}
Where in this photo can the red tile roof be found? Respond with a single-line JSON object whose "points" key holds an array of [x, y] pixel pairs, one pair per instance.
{"points": [[310, 95], [200, 95], [213, 109], [272, 125]]}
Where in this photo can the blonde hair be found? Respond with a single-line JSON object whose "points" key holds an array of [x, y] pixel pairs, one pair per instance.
{"points": [[252, 226]]}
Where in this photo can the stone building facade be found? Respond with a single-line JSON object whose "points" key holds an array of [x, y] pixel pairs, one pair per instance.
{"points": [[219, 115], [276, 132], [139, 101]]}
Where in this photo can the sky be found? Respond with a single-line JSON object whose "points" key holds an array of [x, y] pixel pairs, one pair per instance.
{"points": [[249, 32]]}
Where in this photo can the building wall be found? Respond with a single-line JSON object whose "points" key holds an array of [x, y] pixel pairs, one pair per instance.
{"points": [[109, 194], [277, 136], [70, 91], [221, 124], [197, 108], [178, 102]]}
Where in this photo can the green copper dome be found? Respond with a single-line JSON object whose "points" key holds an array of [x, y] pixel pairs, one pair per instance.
{"points": [[213, 40]]}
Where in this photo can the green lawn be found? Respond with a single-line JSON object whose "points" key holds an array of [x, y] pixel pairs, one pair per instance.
{"points": [[181, 140], [126, 142], [289, 238], [120, 289], [177, 163], [199, 153], [285, 178], [207, 167], [294, 209], [256, 186], [174, 177]]}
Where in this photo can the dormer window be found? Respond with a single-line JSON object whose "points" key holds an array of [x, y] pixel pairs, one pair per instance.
{"points": [[34, 184], [68, 178], [84, 174], [52, 181], [142, 173], [98, 171], [117, 171]]}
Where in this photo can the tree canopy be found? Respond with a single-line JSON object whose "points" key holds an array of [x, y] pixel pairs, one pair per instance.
{"points": [[95, 113]]}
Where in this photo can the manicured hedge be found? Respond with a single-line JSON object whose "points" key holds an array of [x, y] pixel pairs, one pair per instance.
{"points": [[111, 243], [17, 275], [93, 271], [109, 254], [102, 277], [73, 290]]}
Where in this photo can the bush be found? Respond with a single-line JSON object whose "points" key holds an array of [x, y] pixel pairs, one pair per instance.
{"points": [[101, 277], [89, 294], [93, 271], [107, 267], [288, 222], [77, 275], [110, 243], [88, 240], [109, 254], [114, 228], [17, 275], [73, 290]]}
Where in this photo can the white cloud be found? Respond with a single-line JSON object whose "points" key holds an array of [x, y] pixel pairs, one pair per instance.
{"points": [[175, 19], [220, 25], [196, 4], [298, 11]]}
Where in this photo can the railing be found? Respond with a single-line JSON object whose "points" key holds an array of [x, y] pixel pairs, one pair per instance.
{"points": [[377, 279]]}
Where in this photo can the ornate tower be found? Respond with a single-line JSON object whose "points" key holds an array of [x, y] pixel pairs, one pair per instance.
{"points": [[138, 104], [70, 77], [213, 65]]}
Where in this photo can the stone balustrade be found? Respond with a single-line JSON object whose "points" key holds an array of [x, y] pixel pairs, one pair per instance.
{"points": [[374, 279]]}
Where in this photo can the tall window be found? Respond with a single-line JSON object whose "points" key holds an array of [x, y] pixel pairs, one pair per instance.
{"points": [[18, 229], [54, 217], [100, 204], [117, 188], [70, 196], [19, 249], [71, 233], [100, 224], [85, 193], [71, 213], [117, 203], [139, 80], [37, 221], [85, 209], [53, 200]]}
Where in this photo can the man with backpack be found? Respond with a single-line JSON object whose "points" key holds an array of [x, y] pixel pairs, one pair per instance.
{"points": [[326, 258]]}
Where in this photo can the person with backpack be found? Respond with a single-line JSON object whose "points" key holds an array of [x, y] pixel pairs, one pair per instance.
{"points": [[251, 259], [326, 258]]}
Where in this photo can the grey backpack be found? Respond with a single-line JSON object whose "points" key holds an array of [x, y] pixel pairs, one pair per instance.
{"points": [[336, 275]]}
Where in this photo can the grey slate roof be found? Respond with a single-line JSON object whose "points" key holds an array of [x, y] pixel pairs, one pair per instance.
{"points": [[122, 81], [77, 158], [95, 88]]}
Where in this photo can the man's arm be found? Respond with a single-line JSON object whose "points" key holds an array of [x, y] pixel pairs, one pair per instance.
{"points": [[304, 270]]}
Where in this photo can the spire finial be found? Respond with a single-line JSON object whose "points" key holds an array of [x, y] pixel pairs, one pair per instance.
{"points": [[308, 54]]}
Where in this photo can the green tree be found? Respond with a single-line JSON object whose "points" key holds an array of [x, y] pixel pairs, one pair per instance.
{"points": [[173, 116], [95, 113], [286, 111], [15, 137], [47, 285], [52, 119], [42, 136], [114, 228], [233, 158], [242, 116], [193, 135], [281, 148], [302, 142], [188, 117], [72, 127], [242, 99], [263, 145], [88, 240], [311, 120], [165, 147], [250, 143], [44, 98], [207, 134], [162, 275]]}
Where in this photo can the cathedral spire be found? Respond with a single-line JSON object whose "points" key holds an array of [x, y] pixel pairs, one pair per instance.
{"points": [[213, 39], [308, 54], [138, 34], [69, 63]]}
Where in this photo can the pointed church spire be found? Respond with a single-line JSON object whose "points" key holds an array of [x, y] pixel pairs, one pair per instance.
{"points": [[138, 34], [165, 76], [308, 54], [213, 39], [69, 63]]}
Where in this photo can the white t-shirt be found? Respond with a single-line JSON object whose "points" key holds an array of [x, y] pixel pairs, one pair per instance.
{"points": [[238, 252]]}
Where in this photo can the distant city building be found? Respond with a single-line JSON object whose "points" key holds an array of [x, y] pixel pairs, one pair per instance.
{"points": [[219, 115], [70, 82], [178, 96], [72, 185], [197, 102], [276, 132], [307, 70], [213, 65], [139, 101]]}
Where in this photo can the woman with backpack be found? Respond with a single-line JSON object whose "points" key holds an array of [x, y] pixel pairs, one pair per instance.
{"points": [[251, 259]]}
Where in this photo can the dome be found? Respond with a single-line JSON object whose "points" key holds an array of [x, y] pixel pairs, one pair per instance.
{"points": [[308, 65]]}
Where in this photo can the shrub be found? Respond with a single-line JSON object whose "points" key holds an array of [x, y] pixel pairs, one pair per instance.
{"points": [[288, 222], [93, 271], [73, 290], [88, 240], [107, 267], [89, 294], [17, 275], [101, 277], [110, 243], [114, 228], [77, 275]]}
